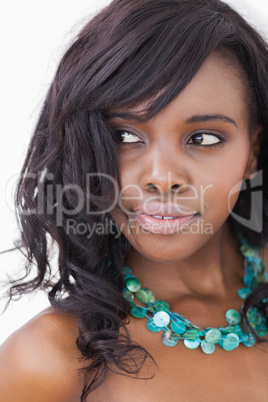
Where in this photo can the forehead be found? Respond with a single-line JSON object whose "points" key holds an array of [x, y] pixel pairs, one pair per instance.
{"points": [[216, 89]]}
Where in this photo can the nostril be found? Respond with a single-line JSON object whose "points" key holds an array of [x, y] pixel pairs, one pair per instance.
{"points": [[179, 187], [151, 185]]}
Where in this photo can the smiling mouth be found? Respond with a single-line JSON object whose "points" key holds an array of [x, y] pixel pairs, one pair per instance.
{"points": [[165, 217], [164, 224]]}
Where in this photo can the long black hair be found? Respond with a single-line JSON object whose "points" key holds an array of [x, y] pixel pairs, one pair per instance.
{"points": [[131, 52]]}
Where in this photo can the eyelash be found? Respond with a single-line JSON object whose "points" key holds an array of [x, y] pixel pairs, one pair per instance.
{"points": [[138, 143]]}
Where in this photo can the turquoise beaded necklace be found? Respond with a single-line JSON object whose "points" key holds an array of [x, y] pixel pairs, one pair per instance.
{"points": [[176, 327]]}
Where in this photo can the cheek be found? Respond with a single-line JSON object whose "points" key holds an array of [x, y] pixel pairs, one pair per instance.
{"points": [[224, 181], [131, 190]]}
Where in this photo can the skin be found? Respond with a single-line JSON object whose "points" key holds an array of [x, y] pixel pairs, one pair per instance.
{"points": [[167, 263], [197, 273]]}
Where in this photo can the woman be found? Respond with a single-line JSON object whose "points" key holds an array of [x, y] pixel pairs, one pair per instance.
{"points": [[144, 173]]}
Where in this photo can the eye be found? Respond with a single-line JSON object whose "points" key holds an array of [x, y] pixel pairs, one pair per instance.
{"points": [[125, 137], [206, 140]]}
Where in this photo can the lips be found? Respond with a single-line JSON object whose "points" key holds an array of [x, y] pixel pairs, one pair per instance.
{"points": [[165, 218], [164, 226], [165, 210]]}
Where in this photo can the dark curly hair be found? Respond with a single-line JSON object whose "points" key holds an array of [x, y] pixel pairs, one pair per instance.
{"points": [[132, 52]]}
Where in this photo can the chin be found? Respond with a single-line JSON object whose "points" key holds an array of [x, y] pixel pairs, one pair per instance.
{"points": [[163, 251]]}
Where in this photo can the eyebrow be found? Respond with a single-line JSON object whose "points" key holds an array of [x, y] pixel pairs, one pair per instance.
{"points": [[193, 119], [210, 117]]}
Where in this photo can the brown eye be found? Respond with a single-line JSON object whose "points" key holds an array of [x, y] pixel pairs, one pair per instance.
{"points": [[206, 140]]}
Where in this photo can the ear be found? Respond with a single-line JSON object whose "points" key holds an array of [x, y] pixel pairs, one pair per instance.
{"points": [[255, 145]]}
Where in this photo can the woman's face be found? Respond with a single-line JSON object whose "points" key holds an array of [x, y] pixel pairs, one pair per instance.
{"points": [[182, 165]]}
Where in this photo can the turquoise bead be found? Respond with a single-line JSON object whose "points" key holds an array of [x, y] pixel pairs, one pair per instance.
{"points": [[161, 305], [248, 278], [233, 329], [138, 312], [142, 296], [230, 342], [127, 270], [207, 348], [257, 318], [255, 264], [254, 316], [191, 335], [262, 331], [169, 338], [151, 297], [232, 316], [161, 319], [177, 326], [152, 327], [213, 335], [244, 292], [192, 344], [145, 296], [129, 276], [133, 284], [248, 251], [128, 295], [248, 340]]}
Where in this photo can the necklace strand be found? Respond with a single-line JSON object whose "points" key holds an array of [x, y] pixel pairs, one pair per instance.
{"points": [[176, 327]]}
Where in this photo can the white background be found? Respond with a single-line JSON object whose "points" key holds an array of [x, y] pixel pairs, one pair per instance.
{"points": [[34, 36]]}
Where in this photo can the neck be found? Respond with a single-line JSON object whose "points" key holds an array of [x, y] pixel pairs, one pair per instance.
{"points": [[214, 272]]}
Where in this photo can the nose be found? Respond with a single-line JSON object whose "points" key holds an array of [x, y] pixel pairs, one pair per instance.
{"points": [[163, 173]]}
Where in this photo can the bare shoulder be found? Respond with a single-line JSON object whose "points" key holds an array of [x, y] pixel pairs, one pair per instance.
{"points": [[40, 361]]}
